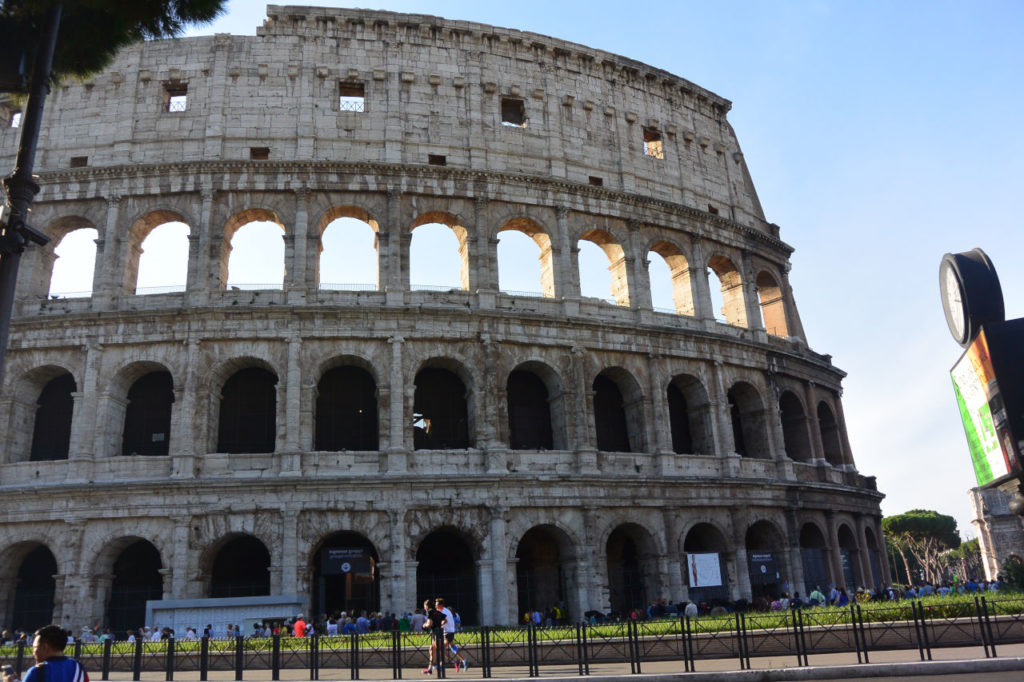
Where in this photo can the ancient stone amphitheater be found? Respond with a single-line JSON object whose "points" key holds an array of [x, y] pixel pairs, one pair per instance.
{"points": [[508, 450]]}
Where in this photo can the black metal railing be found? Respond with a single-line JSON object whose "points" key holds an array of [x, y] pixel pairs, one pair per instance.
{"points": [[531, 651]]}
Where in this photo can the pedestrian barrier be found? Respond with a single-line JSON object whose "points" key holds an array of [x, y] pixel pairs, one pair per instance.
{"points": [[566, 649]]}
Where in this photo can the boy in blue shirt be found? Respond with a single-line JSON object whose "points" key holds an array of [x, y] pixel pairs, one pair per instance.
{"points": [[51, 663]]}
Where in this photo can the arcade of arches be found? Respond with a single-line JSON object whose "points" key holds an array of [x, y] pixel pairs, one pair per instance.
{"points": [[543, 565]]}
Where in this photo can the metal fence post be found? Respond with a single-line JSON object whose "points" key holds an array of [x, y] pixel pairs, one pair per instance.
{"points": [[531, 651], [801, 655], [396, 652], [137, 661], [314, 657], [354, 658], [741, 627], [169, 669], [107, 644], [981, 626], [691, 660], [204, 658], [485, 651], [988, 627], [863, 633], [78, 649], [19, 662], [586, 650], [239, 657], [275, 657]]}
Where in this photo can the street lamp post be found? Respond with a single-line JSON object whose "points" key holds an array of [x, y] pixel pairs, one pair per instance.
{"points": [[20, 187]]}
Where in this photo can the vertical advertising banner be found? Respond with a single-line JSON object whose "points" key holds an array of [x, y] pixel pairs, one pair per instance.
{"points": [[984, 415], [704, 569]]}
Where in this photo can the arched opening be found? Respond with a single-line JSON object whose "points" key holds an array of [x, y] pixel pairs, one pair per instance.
{"points": [[773, 309], [241, 568], [446, 567], [346, 410], [544, 559], [618, 417], [253, 256], [765, 560], [749, 425], [34, 589], [72, 275], [162, 262], [794, 428], [147, 419], [345, 575], [849, 557], [525, 266], [671, 288], [349, 254], [830, 435], [814, 554], [602, 269], [248, 412], [689, 412], [529, 412], [632, 568], [440, 413], [439, 254], [707, 578], [51, 434], [731, 289], [136, 579]]}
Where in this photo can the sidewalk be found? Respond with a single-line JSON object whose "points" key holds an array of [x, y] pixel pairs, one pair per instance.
{"points": [[954, 662]]}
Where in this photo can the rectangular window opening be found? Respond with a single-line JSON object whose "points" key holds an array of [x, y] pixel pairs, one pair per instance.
{"points": [[437, 159], [712, 210], [177, 96], [596, 181], [351, 97], [16, 119], [513, 112], [259, 153], [653, 146], [79, 161]]}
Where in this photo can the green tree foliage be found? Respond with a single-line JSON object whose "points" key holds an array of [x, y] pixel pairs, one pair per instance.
{"points": [[924, 523], [1013, 572], [92, 31]]}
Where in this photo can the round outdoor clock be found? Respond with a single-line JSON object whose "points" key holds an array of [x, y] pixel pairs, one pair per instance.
{"points": [[971, 295]]}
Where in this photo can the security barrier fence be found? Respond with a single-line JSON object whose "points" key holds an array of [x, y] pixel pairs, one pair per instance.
{"points": [[802, 634]]}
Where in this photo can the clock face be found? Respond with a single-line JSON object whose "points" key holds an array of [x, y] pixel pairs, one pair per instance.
{"points": [[953, 302]]}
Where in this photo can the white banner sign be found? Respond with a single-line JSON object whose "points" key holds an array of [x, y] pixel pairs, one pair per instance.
{"points": [[705, 570]]}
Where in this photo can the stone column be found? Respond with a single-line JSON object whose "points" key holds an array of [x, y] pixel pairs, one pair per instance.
{"points": [[83, 420], [178, 589], [590, 594], [110, 416], [834, 556], [867, 575], [702, 307], [848, 463], [586, 450], [488, 411], [395, 240], [566, 263], [673, 554], [661, 422], [289, 561], [203, 270], [502, 578], [293, 393], [739, 540], [721, 418], [105, 280], [297, 275], [636, 265], [395, 589], [817, 445], [483, 256], [796, 559], [751, 299], [398, 452]]}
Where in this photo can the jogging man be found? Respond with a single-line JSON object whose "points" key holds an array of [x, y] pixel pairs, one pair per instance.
{"points": [[51, 663]]}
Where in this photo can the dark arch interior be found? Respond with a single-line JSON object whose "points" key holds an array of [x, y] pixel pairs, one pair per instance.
{"points": [[529, 413], [794, 428], [441, 419], [147, 419], [541, 578], [706, 539], [136, 579], [241, 569], [354, 591], [813, 557], [626, 582], [346, 410], [748, 423], [830, 435], [765, 561], [610, 416], [679, 419], [447, 568], [51, 435], [34, 591], [248, 412]]}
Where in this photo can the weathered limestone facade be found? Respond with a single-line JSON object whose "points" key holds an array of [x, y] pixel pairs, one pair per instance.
{"points": [[576, 170], [1000, 531]]}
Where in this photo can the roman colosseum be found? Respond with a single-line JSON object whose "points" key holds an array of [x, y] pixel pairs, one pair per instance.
{"points": [[346, 446]]}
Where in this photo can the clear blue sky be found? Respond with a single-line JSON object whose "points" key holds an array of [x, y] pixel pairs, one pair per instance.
{"points": [[880, 136]]}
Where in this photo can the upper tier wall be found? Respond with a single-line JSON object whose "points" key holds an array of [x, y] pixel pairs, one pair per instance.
{"points": [[432, 86]]}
